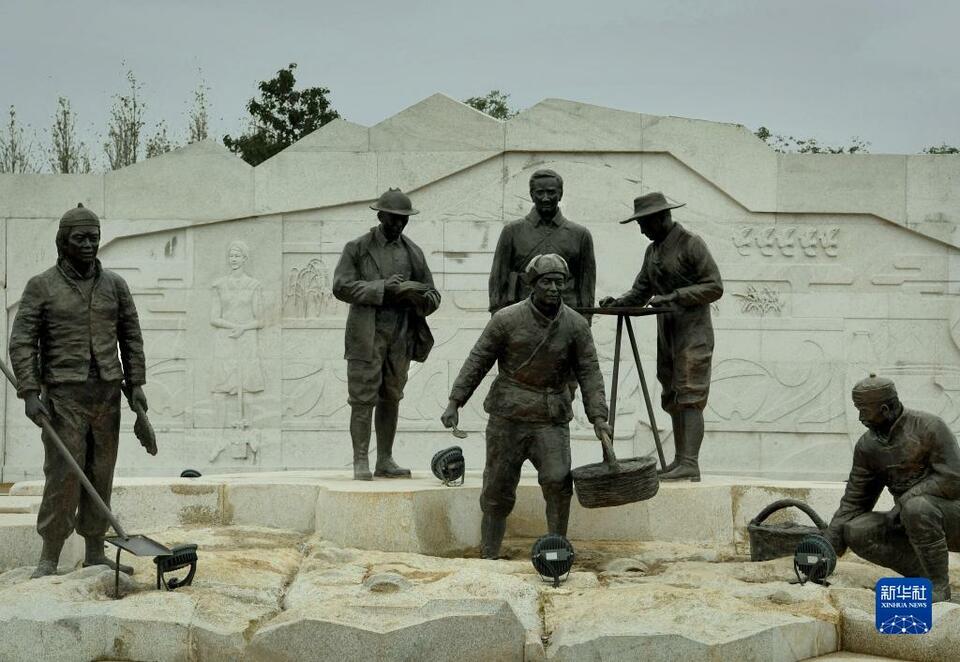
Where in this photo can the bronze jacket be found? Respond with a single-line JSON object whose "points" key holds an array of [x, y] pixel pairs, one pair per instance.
{"points": [[56, 330], [536, 356], [681, 263], [527, 237], [920, 456], [358, 280]]}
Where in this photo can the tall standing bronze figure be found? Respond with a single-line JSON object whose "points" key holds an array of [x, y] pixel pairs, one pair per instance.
{"points": [[677, 269], [384, 277], [537, 344], [71, 321], [916, 457], [544, 230]]}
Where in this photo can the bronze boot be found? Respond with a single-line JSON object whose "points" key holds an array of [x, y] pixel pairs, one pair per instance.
{"points": [[558, 514], [688, 468], [95, 555], [491, 536], [677, 420], [385, 421], [935, 558], [360, 436], [49, 558]]}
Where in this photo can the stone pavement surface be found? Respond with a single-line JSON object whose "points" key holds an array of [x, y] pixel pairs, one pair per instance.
{"points": [[269, 594]]}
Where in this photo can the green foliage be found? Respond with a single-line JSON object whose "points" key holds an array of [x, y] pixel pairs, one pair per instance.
{"points": [[789, 144], [159, 143], [942, 149], [67, 153], [126, 122], [199, 115], [280, 117], [16, 154], [494, 104]]}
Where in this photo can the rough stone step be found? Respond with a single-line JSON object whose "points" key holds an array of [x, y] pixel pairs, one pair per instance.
{"points": [[19, 504], [21, 544]]}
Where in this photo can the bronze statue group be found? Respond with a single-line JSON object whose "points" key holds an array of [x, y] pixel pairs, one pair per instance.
{"points": [[76, 346]]}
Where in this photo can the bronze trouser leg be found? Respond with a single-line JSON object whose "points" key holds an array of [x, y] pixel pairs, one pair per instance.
{"points": [[549, 451], [86, 417], [926, 520], [870, 538], [501, 475]]}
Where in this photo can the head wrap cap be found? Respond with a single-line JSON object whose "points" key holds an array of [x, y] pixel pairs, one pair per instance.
{"points": [[79, 216], [541, 265], [873, 390]]}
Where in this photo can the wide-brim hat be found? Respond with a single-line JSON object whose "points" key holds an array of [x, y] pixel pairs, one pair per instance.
{"points": [[651, 203], [394, 201]]}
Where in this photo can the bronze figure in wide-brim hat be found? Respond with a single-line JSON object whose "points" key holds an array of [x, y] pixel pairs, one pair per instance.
{"points": [[394, 201], [651, 203]]}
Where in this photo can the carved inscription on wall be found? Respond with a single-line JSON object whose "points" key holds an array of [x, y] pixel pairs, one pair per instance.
{"points": [[786, 241]]}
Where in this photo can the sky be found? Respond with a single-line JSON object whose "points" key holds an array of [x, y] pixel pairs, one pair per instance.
{"points": [[883, 70]]}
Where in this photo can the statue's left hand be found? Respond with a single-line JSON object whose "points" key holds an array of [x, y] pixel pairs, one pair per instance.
{"points": [[137, 397]]}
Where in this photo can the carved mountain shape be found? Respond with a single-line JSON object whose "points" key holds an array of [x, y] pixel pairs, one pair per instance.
{"points": [[438, 123], [336, 136]]}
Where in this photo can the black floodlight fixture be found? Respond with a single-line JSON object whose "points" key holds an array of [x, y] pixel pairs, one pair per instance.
{"points": [[814, 560], [552, 556], [449, 466], [183, 556]]}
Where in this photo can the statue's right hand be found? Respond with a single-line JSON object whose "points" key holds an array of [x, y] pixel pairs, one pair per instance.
{"points": [[391, 283], [607, 302], [35, 409], [451, 416]]}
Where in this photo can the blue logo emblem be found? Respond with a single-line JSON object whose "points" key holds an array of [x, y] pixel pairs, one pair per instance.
{"points": [[904, 606]]}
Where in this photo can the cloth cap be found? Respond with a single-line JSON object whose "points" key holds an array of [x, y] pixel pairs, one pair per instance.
{"points": [[541, 265], [873, 390], [394, 201], [78, 216]]}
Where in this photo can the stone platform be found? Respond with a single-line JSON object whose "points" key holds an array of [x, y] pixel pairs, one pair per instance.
{"points": [[420, 515], [278, 579]]}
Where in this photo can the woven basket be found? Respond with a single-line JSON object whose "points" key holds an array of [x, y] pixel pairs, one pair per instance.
{"points": [[602, 485], [773, 541]]}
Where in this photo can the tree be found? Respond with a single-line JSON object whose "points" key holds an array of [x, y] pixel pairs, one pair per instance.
{"points": [[942, 149], [494, 104], [786, 144], [199, 118], [123, 130], [67, 153], [280, 117], [158, 143], [16, 154]]}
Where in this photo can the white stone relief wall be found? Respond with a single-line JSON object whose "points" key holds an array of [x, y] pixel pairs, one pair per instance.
{"points": [[833, 266]]}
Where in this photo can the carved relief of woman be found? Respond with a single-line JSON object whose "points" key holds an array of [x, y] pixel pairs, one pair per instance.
{"points": [[237, 315]]}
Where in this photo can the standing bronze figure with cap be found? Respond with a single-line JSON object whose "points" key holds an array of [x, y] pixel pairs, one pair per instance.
{"points": [[677, 270], [537, 343], [64, 345], [544, 230], [384, 277], [916, 457]]}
